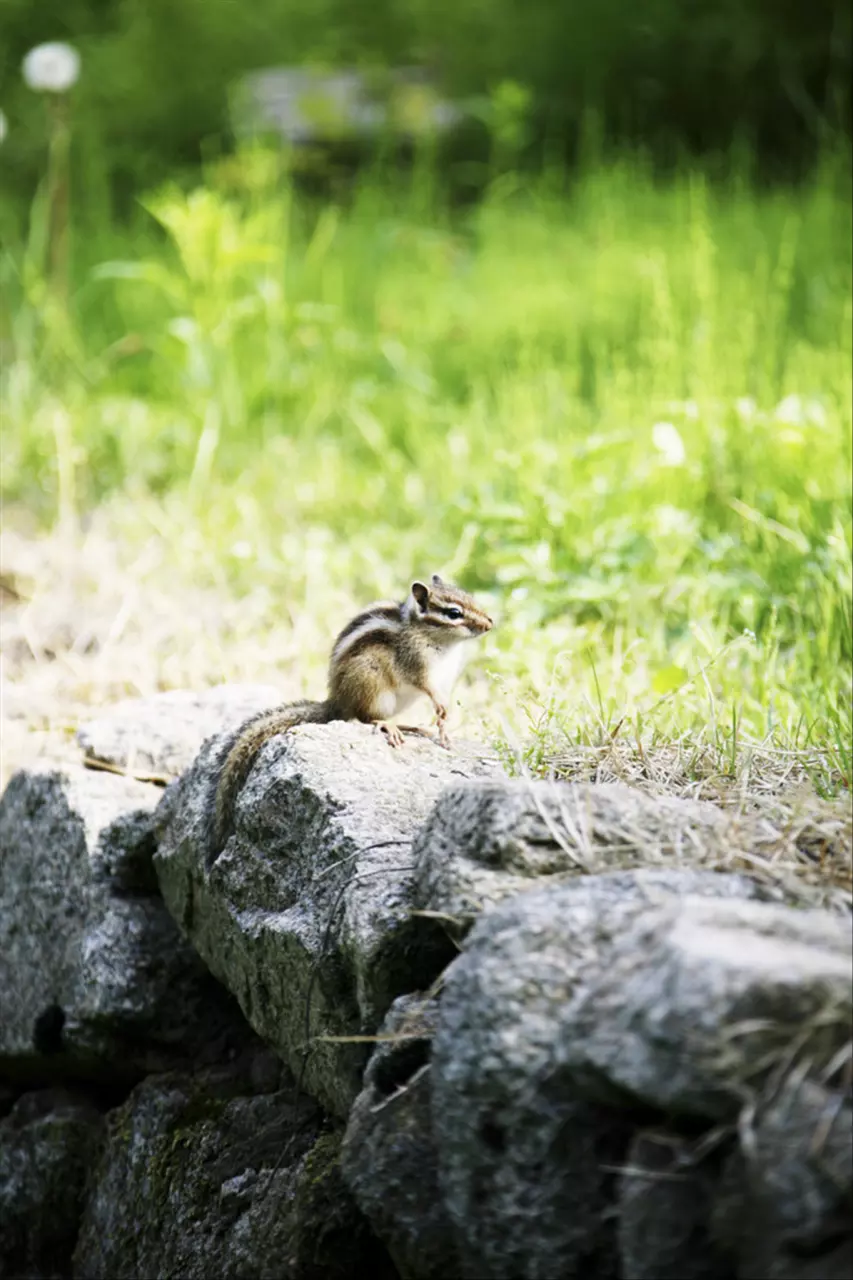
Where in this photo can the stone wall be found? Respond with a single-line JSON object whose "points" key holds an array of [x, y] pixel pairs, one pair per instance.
{"points": [[417, 1019]]}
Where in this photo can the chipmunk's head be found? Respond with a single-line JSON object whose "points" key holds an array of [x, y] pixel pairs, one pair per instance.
{"points": [[448, 611]]}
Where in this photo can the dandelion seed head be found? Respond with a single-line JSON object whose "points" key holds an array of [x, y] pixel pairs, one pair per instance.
{"points": [[51, 68]]}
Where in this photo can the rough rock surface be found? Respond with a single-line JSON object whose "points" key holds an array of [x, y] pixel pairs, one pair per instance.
{"points": [[187, 1186], [692, 1004], [48, 1142], [94, 973], [487, 840], [311, 896], [665, 1195], [785, 1207], [388, 1156], [524, 1148], [162, 735]]}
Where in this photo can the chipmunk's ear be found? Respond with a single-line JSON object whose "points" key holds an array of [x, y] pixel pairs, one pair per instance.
{"points": [[436, 581], [420, 593]]}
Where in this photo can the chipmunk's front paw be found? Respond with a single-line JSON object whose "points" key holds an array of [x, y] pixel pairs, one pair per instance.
{"points": [[441, 721]]}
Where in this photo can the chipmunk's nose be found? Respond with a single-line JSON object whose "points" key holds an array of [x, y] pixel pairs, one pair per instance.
{"points": [[487, 622]]}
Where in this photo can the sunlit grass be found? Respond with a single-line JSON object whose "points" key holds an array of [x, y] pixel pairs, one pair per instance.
{"points": [[618, 406]]}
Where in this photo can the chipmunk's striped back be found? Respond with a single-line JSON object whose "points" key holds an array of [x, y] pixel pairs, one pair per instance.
{"points": [[382, 619]]}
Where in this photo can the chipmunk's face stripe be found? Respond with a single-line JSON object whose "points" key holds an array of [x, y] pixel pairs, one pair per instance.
{"points": [[441, 606], [380, 620]]}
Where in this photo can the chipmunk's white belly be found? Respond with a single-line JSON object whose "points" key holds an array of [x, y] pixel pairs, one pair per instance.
{"points": [[393, 701], [443, 672], [445, 668], [403, 697]]}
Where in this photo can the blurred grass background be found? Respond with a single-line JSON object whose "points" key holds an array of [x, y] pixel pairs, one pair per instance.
{"points": [[609, 389]]}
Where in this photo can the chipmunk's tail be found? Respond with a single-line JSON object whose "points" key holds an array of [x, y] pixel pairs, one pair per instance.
{"points": [[239, 753]]}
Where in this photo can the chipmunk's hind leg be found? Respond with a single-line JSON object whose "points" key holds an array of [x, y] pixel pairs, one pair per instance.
{"points": [[391, 731]]}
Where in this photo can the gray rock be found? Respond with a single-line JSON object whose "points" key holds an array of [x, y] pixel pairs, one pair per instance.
{"points": [[307, 105], [485, 841], [94, 974], [665, 1198], [525, 1150], [305, 915], [785, 1203], [690, 1005], [188, 1185], [160, 736], [388, 1156], [47, 1145]]}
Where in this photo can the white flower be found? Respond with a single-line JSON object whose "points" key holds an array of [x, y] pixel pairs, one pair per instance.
{"points": [[51, 68], [4, 128], [669, 444], [791, 411]]}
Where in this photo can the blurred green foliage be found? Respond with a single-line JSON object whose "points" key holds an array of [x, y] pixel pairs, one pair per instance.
{"points": [[696, 75], [621, 402], [615, 393]]}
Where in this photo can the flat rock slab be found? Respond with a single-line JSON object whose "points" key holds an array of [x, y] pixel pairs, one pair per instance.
{"points": [[306, 914], [488, 840], [161, 736], [94, 975], [207, 1175], [692, 1005]]}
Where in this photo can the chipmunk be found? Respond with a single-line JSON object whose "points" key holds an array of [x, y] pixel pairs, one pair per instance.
{"points": [[384, 659]]}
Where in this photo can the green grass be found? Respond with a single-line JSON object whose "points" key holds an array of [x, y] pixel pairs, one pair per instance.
{"points": [[618, 405]]}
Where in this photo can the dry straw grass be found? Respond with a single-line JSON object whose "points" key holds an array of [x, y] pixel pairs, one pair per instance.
{"points": [[88, 619], [83, 626], [776, 827]]}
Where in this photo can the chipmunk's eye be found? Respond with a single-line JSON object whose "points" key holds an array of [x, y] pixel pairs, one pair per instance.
{"points": [[452, 612]]}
